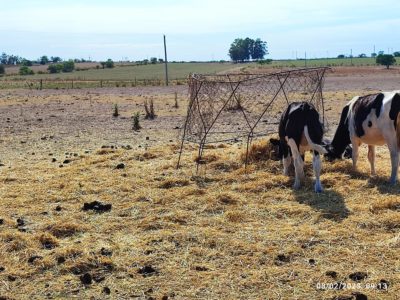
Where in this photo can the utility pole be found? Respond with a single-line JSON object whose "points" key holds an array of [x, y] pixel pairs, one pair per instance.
{"points": [[165, 62], [305, 59], [351, 56]]}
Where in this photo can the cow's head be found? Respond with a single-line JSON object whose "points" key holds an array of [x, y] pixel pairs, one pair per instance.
{"points": [[276, 153], [332, 154]]}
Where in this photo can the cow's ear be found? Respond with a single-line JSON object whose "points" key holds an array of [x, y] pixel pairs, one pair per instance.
{"points": [[274, 142]]}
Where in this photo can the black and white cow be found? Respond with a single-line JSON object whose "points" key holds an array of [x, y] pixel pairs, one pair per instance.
{"points": [[300, 130], [372, 120]]}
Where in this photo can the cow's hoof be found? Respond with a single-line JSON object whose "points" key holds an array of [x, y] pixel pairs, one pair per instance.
{"points": [[318, 188], [296, 186]]}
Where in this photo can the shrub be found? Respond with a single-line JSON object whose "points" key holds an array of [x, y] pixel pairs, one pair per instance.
{"points": [[115, 112], [24, 70], [149, 108], [136, 121], [2, 70], [68, 66], [55, 68], [265, 61], [109, 63]]}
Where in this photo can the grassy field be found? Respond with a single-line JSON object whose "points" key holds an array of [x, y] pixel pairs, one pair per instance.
{"points": [[225, 232], [140, 72], [176, 70]]}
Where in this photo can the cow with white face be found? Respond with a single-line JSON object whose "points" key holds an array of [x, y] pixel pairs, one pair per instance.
{"points": [[372, 120], [300, 130]]}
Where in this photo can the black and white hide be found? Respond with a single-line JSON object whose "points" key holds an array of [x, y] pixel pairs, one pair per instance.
{"points": [[372, 120], [300, 130]]}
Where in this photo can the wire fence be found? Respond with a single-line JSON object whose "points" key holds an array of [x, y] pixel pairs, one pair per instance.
{"points": [[41, 84], [237, 107]]}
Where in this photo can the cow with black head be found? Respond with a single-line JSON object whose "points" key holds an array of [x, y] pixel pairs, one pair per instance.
{"points": [[300, 130], [373, 120]]}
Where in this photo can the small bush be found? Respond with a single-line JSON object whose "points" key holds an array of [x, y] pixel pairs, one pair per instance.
{"points": [[115, 112], [24, 70], [55, 68], [68, 66], [136, 121], [149, 108], [2, 70]]}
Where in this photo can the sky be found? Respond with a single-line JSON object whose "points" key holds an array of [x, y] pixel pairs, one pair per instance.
{"points": [[199, 30]]}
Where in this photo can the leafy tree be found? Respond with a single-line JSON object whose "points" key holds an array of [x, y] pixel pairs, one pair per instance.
{"points": [[160, 60], [396, 54], [109, 63], [373, 54], [362, 55], [44, 60], [341, 56], [24, 70], [153, 60], [385, 60], [55, 59], [68, 66], [2, 69], [26, 62], [103, 64], [259, 49], [246, 49], [238, 50], [4, 58]]}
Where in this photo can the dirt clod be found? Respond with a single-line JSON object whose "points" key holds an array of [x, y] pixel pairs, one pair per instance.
{"points": [[106, 290], [32, 259], [20, 222], [86, 278], [383, 284], [147, 271], [105, 252], [120, 166], [358, 276], [97, 206], [332, 274]]}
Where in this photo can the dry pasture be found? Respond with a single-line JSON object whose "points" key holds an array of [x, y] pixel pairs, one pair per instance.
{"points": [[225, 232]]}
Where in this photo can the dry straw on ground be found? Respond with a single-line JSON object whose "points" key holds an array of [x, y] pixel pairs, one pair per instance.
{"points": [[233, 234]]}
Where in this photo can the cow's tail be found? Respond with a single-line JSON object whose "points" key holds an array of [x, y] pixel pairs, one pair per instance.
{"points": [[398, 130], [313, 146]]}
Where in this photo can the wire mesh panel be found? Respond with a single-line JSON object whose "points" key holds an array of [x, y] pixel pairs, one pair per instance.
{"points": [[235, 107]]}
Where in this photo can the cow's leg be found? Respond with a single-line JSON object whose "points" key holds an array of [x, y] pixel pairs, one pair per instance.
{"points": [[371, 158], [298, 164], [287, 161], [286, 157], [394, 157], [391, 141], [355, 153], [317, 172]]}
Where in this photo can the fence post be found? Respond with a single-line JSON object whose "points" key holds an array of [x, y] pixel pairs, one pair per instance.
{"points": [[41, 84], [101, 83], [72, 84]]}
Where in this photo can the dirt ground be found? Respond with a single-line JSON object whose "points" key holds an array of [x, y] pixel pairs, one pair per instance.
{"points": [[223, 234]]}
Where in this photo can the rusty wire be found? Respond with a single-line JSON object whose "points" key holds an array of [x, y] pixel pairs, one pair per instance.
{"points": [[238, 107]]}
